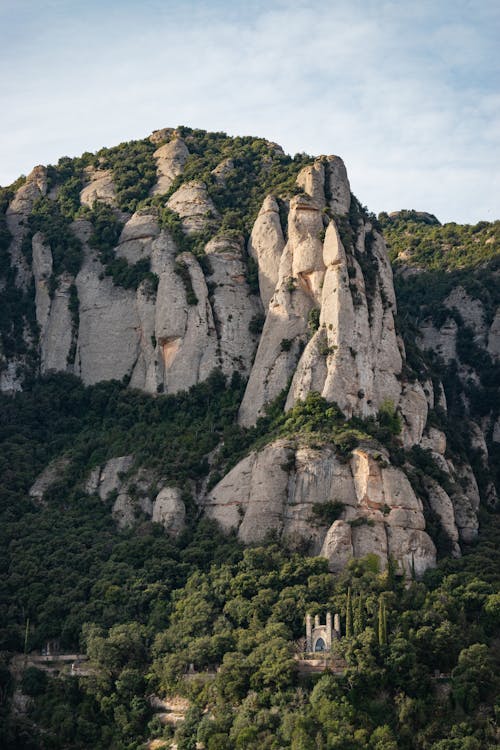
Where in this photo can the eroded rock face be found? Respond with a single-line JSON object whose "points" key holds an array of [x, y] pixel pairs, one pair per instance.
{"points": [[300, 277], [17, 213], [327, 296], [266, 246], [232, 305], [281, 487], [193, 204], [137, 235], [354, 357], [494, 336], [441, 340], [471, 311], [108, 340], [52, 310], [338, 185], [170, 161], [186, 340], [169, 510], [99, 187], [131, 493]]}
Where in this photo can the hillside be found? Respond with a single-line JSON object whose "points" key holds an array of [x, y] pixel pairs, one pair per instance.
{"points": [[220, 411]]}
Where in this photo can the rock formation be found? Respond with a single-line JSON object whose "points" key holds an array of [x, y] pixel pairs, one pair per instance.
{"points": [[328, 308], [284, 487]]}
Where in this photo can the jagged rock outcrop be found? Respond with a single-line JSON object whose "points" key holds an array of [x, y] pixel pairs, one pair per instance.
{"points": [[99, 187], [232, 304], [354, 357], [163, 340], [111, 478], [169, 510], [266, 246], [17, 214], [170, 161], [283, 487], [137, 235], [223, 170], [136, 495], [193, 204]]}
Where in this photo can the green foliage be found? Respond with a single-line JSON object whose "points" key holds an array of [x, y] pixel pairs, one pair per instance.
{"points": [[313, 319], [182, 269], [252, 275], [324, 514], [46, 217], [256, 324], [431, 246], [17, 305], [33, 681], [134, 171], [104, 238]]}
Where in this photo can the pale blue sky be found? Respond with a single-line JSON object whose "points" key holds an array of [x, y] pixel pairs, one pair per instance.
{"points": [[406, 92]]}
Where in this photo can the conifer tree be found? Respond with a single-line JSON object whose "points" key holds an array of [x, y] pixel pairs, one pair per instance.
{"points": [[359, 616], [348, 615], [382, 622]]}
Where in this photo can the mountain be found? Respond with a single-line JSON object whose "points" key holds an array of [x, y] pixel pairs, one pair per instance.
{"points": [[204, 344]]}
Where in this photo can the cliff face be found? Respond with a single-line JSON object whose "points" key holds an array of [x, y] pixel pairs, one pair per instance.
{"points": [[323, 321]]}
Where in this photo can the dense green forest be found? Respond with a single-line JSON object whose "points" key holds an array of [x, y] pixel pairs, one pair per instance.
{"points": [[423, 657], [145, 607]]}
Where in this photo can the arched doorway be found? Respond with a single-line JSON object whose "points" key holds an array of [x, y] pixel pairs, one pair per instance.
{"points": [[320, 645]]}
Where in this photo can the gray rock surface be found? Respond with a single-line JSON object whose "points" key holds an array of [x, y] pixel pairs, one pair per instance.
{"points": [[99, 187], [137, 236], [279, 488], [169, 510], [16, 215], [232, 305], [494, 336], [109, 329], [170, 161], [266, 246], [193, 204]]}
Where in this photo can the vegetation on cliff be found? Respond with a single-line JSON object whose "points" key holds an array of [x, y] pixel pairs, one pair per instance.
{"points": [[422, 658]]}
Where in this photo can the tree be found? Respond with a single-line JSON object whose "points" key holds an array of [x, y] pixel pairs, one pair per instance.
{"points": [[348, 615], [382, 621], [474, 678]]}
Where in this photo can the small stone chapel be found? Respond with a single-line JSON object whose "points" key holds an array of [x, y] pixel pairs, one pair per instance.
{"points": [[319, 638]]}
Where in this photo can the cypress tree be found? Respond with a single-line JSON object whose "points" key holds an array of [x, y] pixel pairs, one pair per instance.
{"points": [[380, 621], [348, 615], [384, 612]]}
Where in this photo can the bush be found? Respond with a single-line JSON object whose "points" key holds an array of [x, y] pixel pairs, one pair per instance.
{"points": [[33, 681]]}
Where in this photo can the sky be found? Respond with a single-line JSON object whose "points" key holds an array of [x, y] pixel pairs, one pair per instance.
{"points": [[407, 93]]}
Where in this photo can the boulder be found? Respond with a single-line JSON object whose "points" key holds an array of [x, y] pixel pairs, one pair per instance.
{"points": [[169, 510], [99, 187], [170, 161], [193, 204]]}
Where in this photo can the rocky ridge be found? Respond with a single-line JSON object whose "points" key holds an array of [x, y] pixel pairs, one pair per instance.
{"points": [[328, 306]]}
